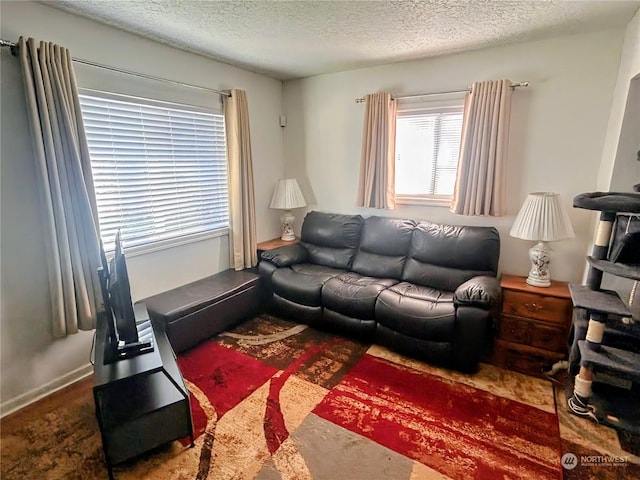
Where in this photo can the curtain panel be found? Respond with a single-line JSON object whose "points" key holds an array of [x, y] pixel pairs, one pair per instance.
{"points": [[376, 187], [69, 211], [480, 182], [242, 205]]}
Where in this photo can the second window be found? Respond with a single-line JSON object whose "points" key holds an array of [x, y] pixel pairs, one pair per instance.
{"points": [[427, 148]]}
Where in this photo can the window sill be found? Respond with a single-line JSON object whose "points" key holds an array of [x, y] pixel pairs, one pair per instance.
{"points": [[171, 243], [424, 200]]}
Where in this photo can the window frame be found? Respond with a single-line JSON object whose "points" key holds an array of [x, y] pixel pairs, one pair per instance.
{"points": [[445, 103], [183, 239]]}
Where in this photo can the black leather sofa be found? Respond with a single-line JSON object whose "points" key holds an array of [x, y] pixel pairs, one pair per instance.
{"points": [[424, 289]]}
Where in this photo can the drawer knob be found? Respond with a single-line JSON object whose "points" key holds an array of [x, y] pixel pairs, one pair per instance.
{"points": [[533, 307]]}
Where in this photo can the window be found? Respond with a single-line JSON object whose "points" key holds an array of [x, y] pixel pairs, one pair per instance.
{"points": [[427, 148], [159, 169]]}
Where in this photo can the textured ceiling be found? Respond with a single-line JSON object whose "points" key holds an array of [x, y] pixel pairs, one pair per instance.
{"points": [[291, 39]]}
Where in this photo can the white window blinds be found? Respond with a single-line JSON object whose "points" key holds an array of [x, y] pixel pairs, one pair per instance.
{"points": [[160, 171], [427, 148]]}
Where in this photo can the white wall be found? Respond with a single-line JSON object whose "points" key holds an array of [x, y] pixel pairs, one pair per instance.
{"points": [[626, 169], [558, 126], [625, 108], [619, 168], [32, 362]]}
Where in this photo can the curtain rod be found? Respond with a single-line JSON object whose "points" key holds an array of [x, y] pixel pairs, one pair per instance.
{"points": [[13, 46], [417, 95]]}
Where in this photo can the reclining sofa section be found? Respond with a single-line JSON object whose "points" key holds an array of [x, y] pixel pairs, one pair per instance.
{"points": [[420, 288]]}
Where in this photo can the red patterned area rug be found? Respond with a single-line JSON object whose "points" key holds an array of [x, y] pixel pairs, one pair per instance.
{"points": [[275, 400], [453, 428]]}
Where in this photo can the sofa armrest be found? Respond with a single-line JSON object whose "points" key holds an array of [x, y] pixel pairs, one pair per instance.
{"points": [[286, 256], [482, 292]]}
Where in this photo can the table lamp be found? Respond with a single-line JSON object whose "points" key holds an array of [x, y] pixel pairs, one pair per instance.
{"points": [[542, 219], [286, 196]]}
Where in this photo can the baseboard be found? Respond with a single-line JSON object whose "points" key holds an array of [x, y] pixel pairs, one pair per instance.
{"points": [[36, 394]]}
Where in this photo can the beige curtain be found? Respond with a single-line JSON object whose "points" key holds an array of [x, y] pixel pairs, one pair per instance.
{"points": [[69, 213], [242, 204], [376, 188], [480, 182]]}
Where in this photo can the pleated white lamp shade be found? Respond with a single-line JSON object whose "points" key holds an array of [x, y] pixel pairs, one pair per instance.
{"points": [[287, 195], [542, 218]]}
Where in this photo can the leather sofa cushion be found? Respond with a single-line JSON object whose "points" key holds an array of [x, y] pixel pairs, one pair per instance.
{"points": [[445, 256], [354, 295], [372, 265], [286, 256], [435, 352], [384, 245], [419, 312], [330, 257], [331, 239], [435, 276], [482, 292], [311, 269], [311, 315], [463, 247], [332, 230], [302, 285], [364, 329]]}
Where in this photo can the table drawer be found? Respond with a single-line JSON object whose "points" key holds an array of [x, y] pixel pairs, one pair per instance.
{"points": [[531, 361], [535, 334], [548, 338], [514, 330], [528, 305]]}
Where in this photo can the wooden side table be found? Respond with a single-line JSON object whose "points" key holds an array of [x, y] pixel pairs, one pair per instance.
{"points": [[273, 243], [533, 325]]}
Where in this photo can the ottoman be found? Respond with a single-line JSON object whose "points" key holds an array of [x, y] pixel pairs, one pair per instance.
{"points": [[196, 311]]}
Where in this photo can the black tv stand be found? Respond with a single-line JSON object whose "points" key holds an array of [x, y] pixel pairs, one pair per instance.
{"points": [[141, 401]]}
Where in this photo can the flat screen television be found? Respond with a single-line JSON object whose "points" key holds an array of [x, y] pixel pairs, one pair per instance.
{"points": [[122, 340]]}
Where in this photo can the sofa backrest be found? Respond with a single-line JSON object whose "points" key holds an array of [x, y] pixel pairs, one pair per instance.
{"points": [[331, 239], [445, 256], [384, 246]]}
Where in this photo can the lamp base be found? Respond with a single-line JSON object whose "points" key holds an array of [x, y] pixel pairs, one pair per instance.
{"points": [[286, 222], [540, 256]]}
